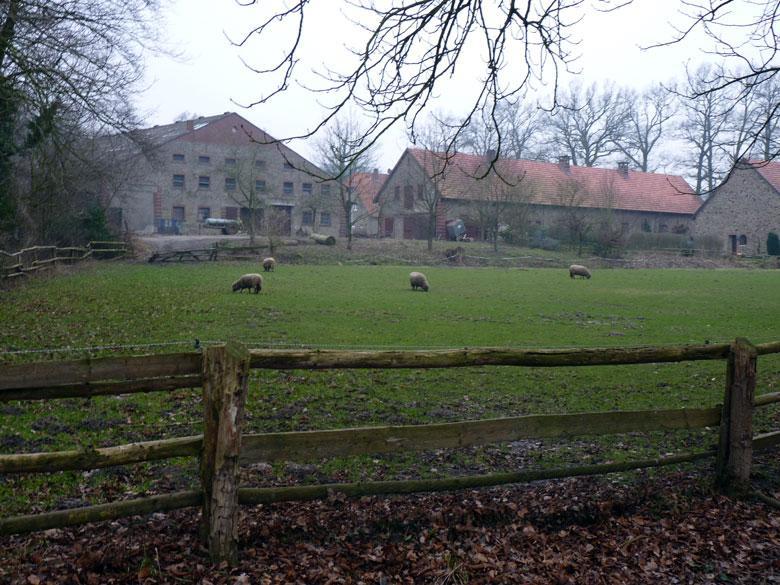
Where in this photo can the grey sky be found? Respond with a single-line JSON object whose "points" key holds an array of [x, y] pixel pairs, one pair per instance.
{"points": [[210, 78]]}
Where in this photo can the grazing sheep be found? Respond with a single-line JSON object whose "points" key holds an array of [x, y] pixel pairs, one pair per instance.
{"points": [[269, 264], [418, 280], [250, 281], [577, 270]]}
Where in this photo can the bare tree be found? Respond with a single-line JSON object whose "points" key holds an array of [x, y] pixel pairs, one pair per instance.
{"points": [[746, 44], [767, 109], [524, 123], [434, 138], [65, 62], [248, 187], [403, 51], [575, 219], [502, 194], [703, 128], [647, 115], [589, 122], [336, 156], [513, 129]]}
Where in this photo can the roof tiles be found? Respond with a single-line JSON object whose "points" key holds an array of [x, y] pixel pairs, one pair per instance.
{"points": [[770, 170], [600, 188]]}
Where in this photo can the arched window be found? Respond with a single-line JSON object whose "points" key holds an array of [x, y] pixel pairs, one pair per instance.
{"points": [[743, 240]]}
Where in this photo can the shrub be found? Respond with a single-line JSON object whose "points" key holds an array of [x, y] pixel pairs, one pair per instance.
{"points": [[709, 245], [662, 241], [541, 241], [773, 244]]}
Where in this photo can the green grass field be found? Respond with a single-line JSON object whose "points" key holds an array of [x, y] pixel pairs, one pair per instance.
{"points": [[373, 306]]}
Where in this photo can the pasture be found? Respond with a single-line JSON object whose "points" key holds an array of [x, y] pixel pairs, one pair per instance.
{"points": [[145, 309]]}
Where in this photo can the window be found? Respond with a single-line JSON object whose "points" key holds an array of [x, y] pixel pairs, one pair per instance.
{"points": [[325, 190], [325, 218], [204, 182], [419, 192], [178, 181], [230, 183], [646, 227], [306, 188], [230, 212], [397, 193], [308, 218], [204, 213], [177, 213], [743, 240], [178, 157], [663, 228], [260, 164], [288, 166], [204, 160], [288, 188], [230, 162], [408, 197], [260, 186]]}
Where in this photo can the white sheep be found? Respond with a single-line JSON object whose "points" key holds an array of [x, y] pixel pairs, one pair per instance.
{"points": [[249, 281], [269, 264], [418, 280], [577, 270]]}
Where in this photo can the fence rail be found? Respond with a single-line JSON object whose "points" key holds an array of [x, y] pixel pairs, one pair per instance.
{"points": [[36, 258], [222, 372]]}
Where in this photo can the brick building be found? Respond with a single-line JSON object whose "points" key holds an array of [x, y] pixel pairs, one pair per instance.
{"points": [[552, 193], [743, 209], [223, 167]]}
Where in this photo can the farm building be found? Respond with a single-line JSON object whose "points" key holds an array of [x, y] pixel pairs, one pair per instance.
{"points": [[553, 196], [222, 167], [365, 187], [744, 209]]}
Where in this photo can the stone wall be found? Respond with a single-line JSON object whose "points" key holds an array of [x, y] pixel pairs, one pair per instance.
{"points": [[744, 205], [215, 171]]}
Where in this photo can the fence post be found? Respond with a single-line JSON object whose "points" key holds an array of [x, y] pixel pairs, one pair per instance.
{"points": [[225, 377], [735, 448]]}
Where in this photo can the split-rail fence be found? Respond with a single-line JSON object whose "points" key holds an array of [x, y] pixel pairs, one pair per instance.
{"points": [[38, 258], [222, 372]]}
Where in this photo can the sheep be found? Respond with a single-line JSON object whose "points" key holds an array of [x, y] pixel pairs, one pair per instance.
{"points": [[249, 281], [577, 270], [418, 280], [269, 264]]}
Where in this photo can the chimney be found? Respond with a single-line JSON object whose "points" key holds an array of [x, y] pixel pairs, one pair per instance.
{"points": [[623, 168], [389, 171], [563, 162], [375, 175], [190, 125], [490, 154]]}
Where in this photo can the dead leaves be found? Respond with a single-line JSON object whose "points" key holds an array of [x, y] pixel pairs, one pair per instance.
{"points": [[669, 529]]}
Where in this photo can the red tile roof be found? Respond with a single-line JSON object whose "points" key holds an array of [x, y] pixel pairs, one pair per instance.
{"points": [[367, 185], [770, 170], [601, 188]]}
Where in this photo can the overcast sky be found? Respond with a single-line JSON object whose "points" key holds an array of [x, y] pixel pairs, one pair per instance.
{"points": [[209, 77]]}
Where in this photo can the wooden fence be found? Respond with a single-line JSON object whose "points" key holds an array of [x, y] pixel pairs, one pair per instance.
{"points": [[37, 258], [223, 371]]}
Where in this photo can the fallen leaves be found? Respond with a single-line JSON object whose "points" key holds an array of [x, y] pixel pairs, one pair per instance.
{"points": [[668, 529]]}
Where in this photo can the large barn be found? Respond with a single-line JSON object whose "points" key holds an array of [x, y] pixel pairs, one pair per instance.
{"points": [[222, 167], [460, 183]]}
